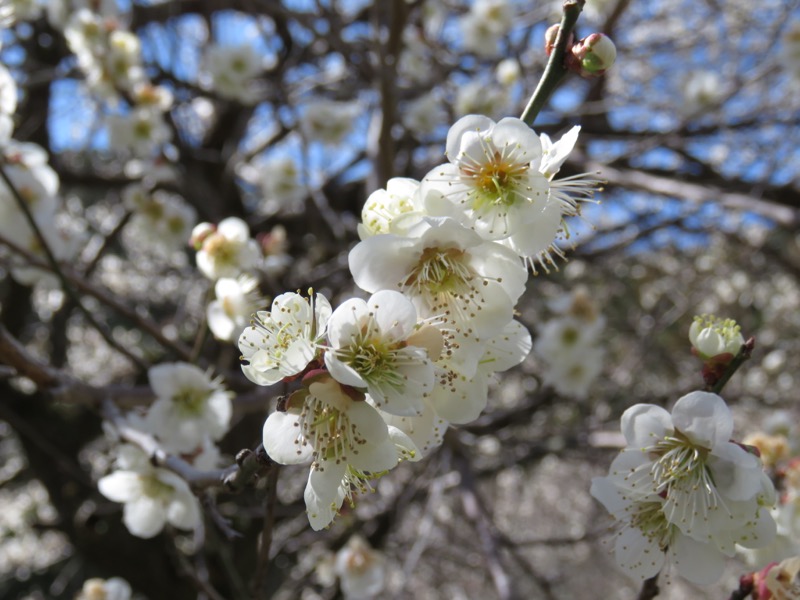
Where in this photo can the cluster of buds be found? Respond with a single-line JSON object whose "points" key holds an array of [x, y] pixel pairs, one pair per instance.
{"points": [[591, 56]]}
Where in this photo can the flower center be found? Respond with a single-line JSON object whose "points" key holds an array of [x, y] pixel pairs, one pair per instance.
{"points": [[495, 181], [440, 271], [153, 487], [649, 518], [190, 402], [329, 431]]}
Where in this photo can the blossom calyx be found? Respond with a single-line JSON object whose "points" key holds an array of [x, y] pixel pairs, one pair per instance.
{"points": [[593, 55]]}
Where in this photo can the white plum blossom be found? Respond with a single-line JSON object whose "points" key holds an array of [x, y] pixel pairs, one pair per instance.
{"points": [[479, 36], [702, 91], [447, 271], [463, 378], [236, 300], [165, 220], [340, 433], [225, 250], [282, 342], [507, 71], [569, 345], [231, 71], [683, 492], [711, 336], [114, 588], [328, 121], [391, 210], [142, 131], [376, 345], [282, 188], [424, 115], [152, 496], [361, 569], [480, 97], [492, 183], [189, 406]]}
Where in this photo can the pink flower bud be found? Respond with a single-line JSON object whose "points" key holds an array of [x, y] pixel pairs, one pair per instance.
{"points": [[596, 54]]}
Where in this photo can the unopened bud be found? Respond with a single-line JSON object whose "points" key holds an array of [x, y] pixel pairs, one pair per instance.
{"points": [[199, 234], [595, 54], [550, 38]]}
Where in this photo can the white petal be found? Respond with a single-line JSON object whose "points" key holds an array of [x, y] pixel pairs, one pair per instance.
{"points": [[736, 472], [324, 495], [121, 486], [376, 458], [144, 517], [638, 554], [184, 511], [645, 424], [469, 123], [704, 418], [699, 563], [282, 440]]}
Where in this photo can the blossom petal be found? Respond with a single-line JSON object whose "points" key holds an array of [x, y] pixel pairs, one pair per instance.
{"points": [[644, 424], [144, 517], [282, 440], [704, 418], [121, 486]]}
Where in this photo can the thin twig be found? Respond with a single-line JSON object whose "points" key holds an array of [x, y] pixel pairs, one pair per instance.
{"points": [[555, 70], [265, 542], [743, 355], [84, 286], [65, 283]]}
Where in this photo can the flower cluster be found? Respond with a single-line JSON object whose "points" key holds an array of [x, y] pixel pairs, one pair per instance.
{"points": [[444, 260], [569, 345], [110, 57], [190, 413], [682, 492], [36, 184], [778, 443]]}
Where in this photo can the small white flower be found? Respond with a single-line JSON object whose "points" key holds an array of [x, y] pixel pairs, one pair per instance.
{"points": [[361, 569], [342, 435], [711, 336], [447, 271], [236, 300], [702, 90], [228, 250], [281, 185], [492, 183], [142, 131], [281, 343], [374, 345], [682, 490], [114, 588], [391, 210], [189, 406], [328, 121], [230, 71], [153, 497]]}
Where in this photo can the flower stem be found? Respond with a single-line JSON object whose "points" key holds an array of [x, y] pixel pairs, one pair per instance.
{"points": [[744, 353], [555, 70]]}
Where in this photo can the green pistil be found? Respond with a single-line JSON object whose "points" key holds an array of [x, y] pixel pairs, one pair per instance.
{"points": [[650, 520], [190, 402], [679, 460], [153, 487], [440, 271]]}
